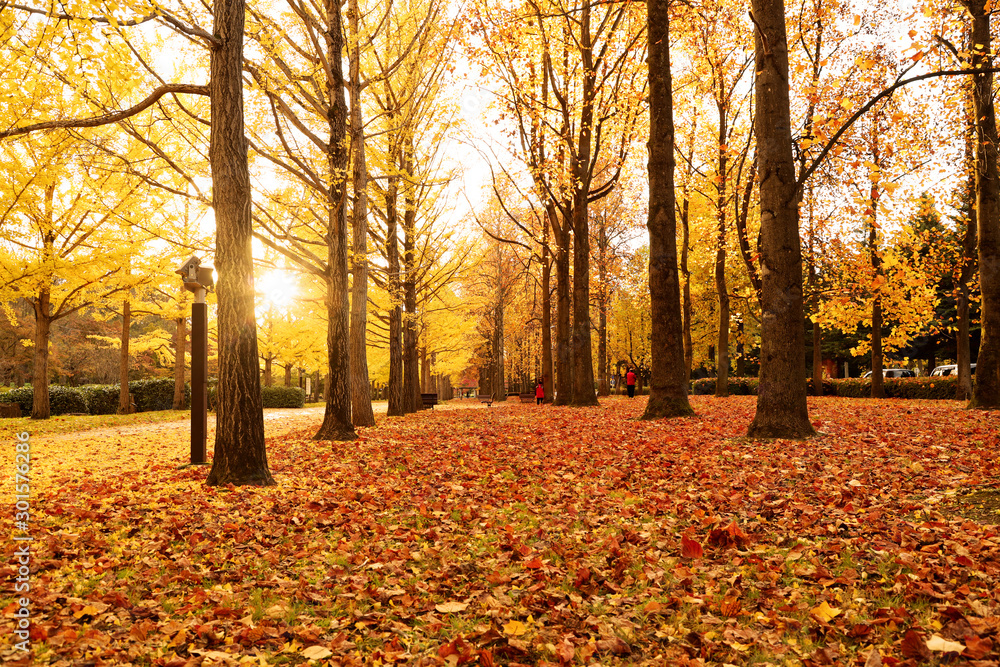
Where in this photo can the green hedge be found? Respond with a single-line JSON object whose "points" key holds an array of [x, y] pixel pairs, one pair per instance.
{"points": [[152, 395], [936, 388], [272, 397], [102, 399], [62, 400], [283, 397], [22, 396], [737, 386], [940, 388]]}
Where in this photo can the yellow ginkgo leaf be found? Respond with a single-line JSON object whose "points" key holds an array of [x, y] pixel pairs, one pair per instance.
{"points": [[515, 628], [825, 612]]}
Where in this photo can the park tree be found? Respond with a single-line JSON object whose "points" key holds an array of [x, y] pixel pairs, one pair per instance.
{"points": [[987, 387], [65, 227], [240, 454], [668, 383]]}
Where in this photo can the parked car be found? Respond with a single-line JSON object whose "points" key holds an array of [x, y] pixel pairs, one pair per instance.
{"points": [[950, 369], [894, 373]]}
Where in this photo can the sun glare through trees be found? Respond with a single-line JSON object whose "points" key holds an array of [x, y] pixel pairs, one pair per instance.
{"points": [[538, 333]]}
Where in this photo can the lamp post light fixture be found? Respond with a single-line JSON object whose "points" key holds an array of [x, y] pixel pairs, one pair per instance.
{"points": [[198, 279]]}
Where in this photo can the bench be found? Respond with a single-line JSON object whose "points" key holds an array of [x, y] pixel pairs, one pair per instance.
{"points": [[428, 401], [526, 397], [485, 398]]}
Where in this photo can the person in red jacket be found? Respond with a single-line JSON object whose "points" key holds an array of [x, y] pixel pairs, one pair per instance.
{"points": [[630, 383], [539, 393]]}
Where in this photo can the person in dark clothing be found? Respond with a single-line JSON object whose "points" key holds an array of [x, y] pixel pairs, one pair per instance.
{"points": [[539, 393], [630, 383]]}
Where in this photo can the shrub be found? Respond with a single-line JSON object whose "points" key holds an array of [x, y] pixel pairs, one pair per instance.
{"points": [[102, 399], [156, 394], [934, 388], [62, 400], [23, 396], [272, 397], [828, 388], [738, 386], [283, 397]]}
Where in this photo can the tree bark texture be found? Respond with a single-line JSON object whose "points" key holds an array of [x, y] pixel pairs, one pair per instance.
{"points": [[722, 364], [987, 386], [686, 305], [395, 389], [124, 400], [337, 423], [603, 385], [411, 365], [40, 408], [583, 356], [546, 318], [499, 381], [963, 353], [361, 398], [781, 400], [564, 356], [878, 381], [667, 386], [180, 347], [240, 454]]}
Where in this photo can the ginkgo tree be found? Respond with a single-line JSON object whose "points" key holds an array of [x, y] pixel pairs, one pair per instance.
{"points": [[66, 238]]}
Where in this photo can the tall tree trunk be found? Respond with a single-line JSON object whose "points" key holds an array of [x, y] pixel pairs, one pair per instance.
{"points": [[603, 388], [817, 344], [411, 366], [499, 381], [240, 454], [722, 366], [686, 304], [963, 353], [337, 423], [878, 384], [685, 212], [782, 411], [813, 278], [180, 347], [395, 388], [878, 381], [667, 385], [361, 399], [583, 356], [40, 408], [268, 370], [564, 357], [987, 386], [124, 400], [546, 318], [426, 384], [288, 375]]}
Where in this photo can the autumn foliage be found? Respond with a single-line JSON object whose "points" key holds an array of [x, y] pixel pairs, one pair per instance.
{"points": [[528, 535]]}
